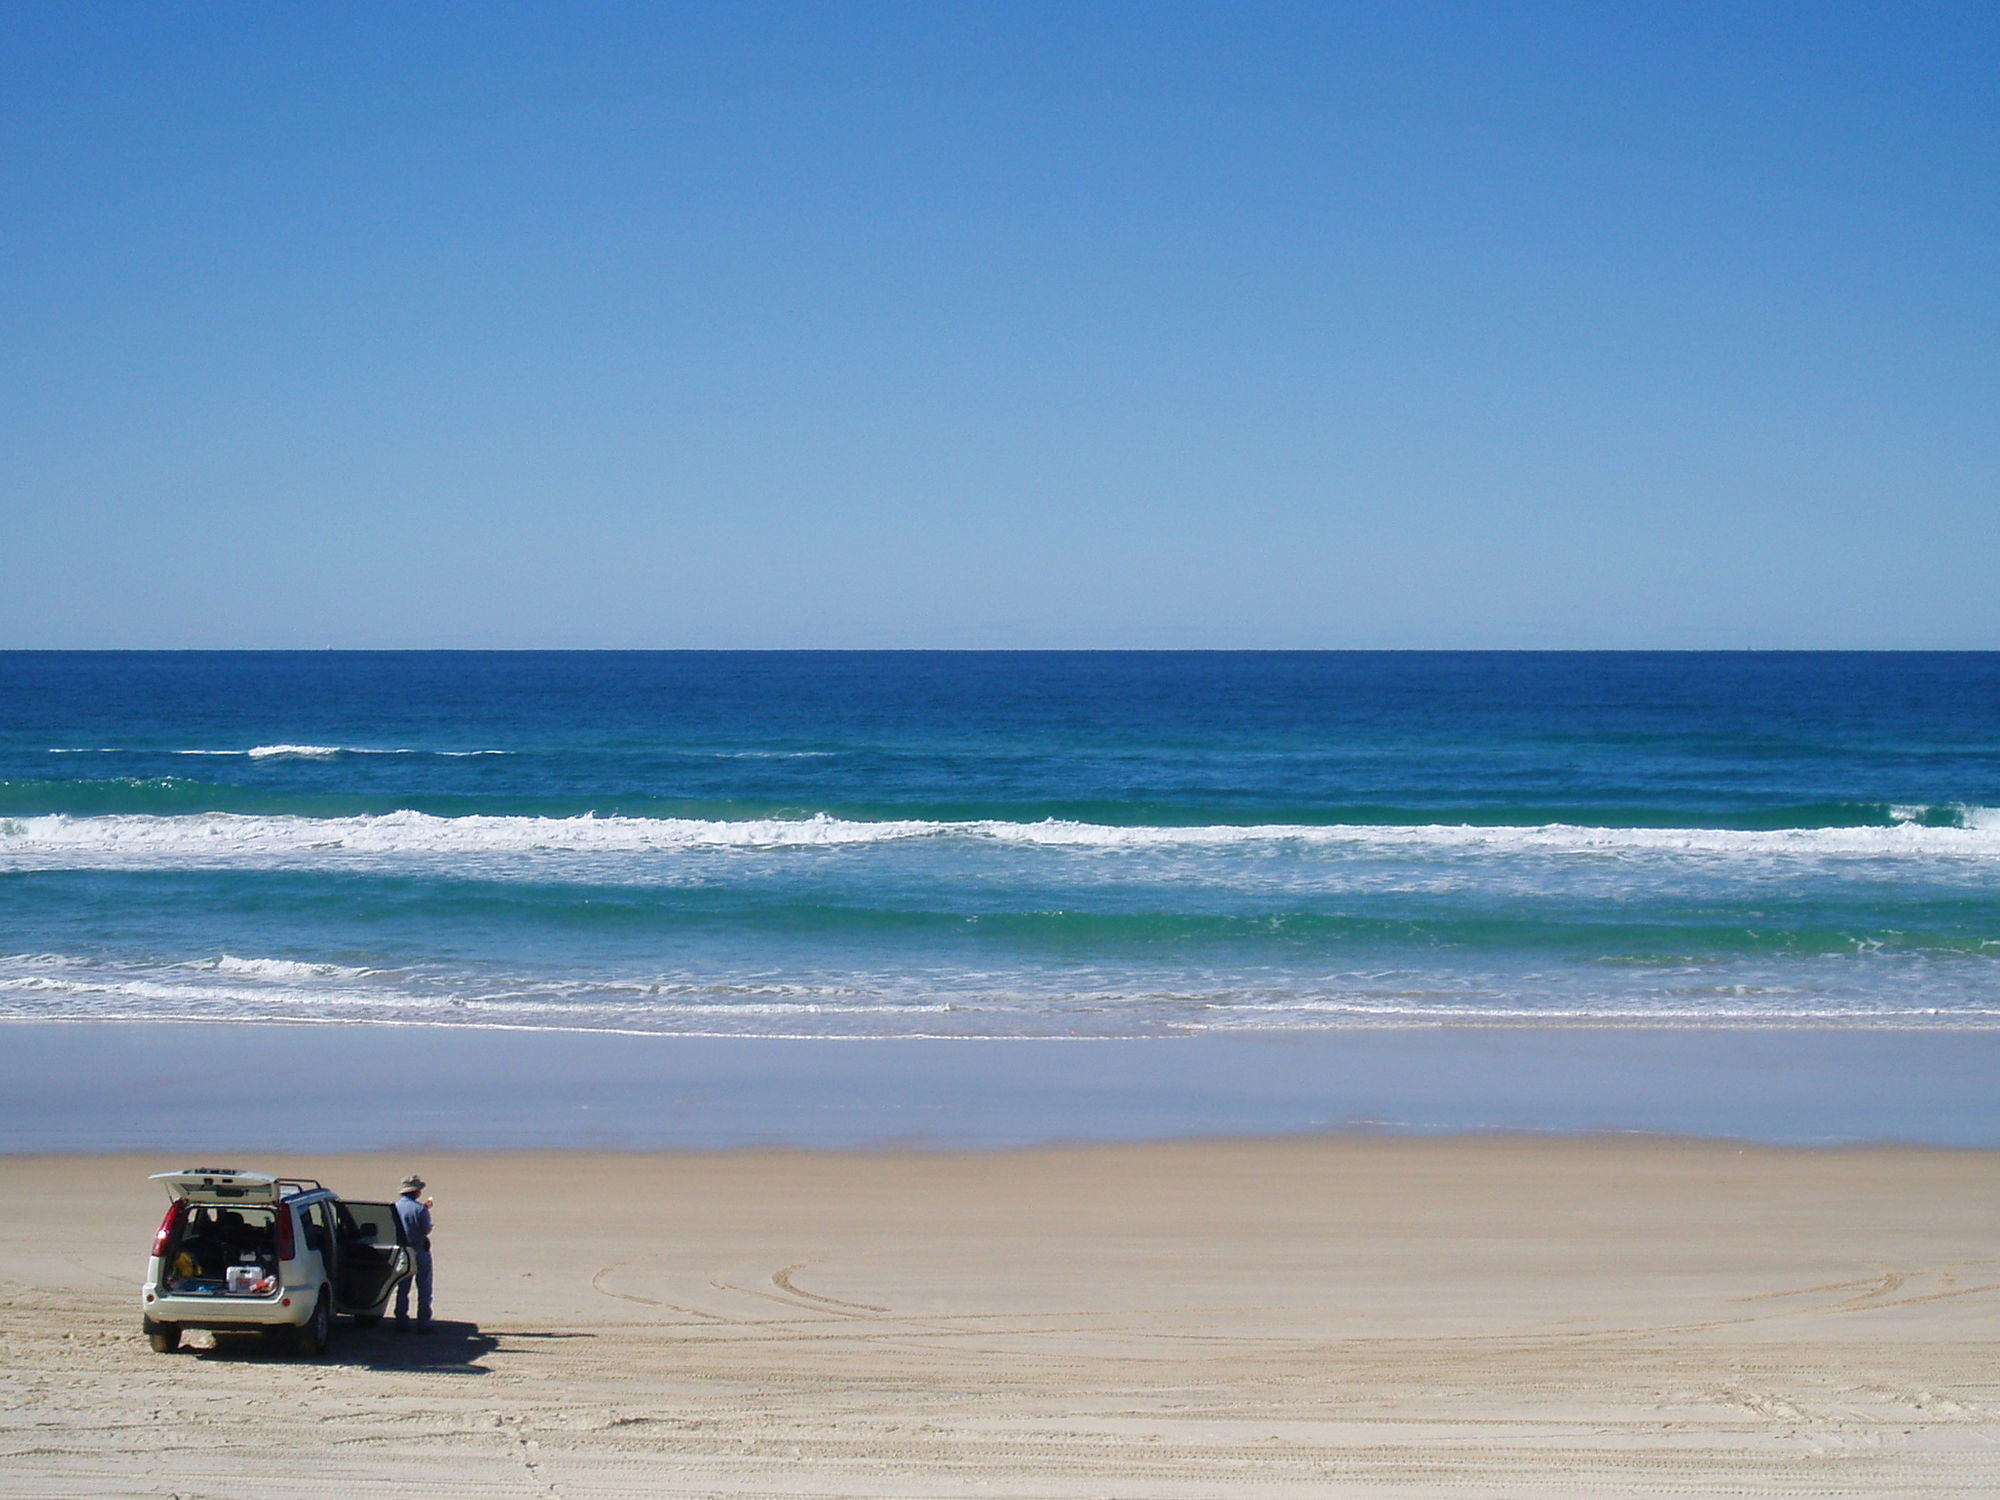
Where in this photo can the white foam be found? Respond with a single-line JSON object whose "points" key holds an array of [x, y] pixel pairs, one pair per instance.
{"points": [[279, 968], [139, 995], [1006, 1002], [132, 841], [318, 752]]}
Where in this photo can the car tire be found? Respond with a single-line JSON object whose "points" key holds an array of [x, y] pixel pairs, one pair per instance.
{"points": [[164, 1337], [313, 1336]]}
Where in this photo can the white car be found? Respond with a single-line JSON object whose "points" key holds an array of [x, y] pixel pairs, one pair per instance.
{"points": [[240, 1251]]}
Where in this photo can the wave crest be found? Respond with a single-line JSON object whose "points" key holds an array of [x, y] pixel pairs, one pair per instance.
{"points": [[315, 752], [283, 969], [134, 840]]}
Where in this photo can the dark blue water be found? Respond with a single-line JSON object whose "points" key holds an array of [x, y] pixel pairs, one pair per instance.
{"points": [[1002, 844]]}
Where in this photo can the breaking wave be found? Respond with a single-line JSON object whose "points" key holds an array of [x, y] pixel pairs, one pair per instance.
{"points": [[316, 752], [128, 841]]}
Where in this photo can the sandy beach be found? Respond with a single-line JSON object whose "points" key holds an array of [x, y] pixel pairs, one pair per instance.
{"points": [[1344, 1315]]}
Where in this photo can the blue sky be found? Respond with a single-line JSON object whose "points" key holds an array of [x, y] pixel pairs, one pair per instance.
{"points": [[999, 325]]}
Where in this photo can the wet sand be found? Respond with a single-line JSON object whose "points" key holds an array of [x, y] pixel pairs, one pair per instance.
{"points": [[1332, 1316], [234, 1086]]}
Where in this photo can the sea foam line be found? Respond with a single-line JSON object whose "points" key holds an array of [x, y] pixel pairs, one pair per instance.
{"points": [[132, 839], [322, 752]]}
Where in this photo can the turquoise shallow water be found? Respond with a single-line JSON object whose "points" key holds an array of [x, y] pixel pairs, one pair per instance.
{"points": [[1040, 845]]}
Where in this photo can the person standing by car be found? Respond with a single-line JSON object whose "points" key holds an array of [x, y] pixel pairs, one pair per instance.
{"points": [[415, 1212]]}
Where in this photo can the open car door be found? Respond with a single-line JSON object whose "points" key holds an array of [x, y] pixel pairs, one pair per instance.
{"points": [[372, 1256]]}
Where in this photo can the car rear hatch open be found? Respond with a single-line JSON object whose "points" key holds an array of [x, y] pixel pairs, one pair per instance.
{"points": [[226, 1185]]}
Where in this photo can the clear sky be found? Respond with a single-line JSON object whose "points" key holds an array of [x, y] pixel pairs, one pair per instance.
{"points": [[999, 325]]}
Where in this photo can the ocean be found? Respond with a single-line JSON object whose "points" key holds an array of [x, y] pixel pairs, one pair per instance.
{"points": [[1022, 845]]}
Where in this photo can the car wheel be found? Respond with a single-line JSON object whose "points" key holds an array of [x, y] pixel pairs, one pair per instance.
{"points": [[164, 1337], [312, 1339]]}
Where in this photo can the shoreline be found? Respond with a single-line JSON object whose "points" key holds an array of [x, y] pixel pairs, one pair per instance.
{"points": [[82, 1086], [1779, 1027]]}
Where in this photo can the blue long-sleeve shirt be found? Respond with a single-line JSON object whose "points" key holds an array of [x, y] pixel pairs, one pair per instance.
{"points": [[416, 1221]]}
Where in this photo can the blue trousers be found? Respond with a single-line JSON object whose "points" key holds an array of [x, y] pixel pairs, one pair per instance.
{"points": [[422, 1277]]}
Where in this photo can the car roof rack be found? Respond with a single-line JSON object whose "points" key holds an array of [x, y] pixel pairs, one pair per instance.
{"points": [[291, 1187]]}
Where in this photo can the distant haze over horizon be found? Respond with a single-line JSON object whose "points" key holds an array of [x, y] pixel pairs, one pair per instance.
{"points": [[1116, 326]]}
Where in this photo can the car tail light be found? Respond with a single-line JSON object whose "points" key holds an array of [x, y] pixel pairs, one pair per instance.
{"points": [[286, 1245], [176, 1211]]}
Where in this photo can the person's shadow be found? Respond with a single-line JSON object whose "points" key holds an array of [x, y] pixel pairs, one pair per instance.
{"points": [[381, 1346]]}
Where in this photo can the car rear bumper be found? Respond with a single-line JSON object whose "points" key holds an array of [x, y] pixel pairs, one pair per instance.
{"points": [[224, 1313]]}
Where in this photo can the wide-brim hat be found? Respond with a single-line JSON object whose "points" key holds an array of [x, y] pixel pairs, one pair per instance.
{"points": [[413, 1183]]}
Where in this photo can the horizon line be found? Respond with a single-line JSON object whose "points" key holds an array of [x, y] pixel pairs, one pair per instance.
{"points": [[999, 650]]}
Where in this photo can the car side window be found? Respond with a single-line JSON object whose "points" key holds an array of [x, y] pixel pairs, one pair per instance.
{"points": [[318, 1235]]}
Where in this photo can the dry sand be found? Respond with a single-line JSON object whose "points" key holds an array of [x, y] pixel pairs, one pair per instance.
{"points": [[1325, 1317]]}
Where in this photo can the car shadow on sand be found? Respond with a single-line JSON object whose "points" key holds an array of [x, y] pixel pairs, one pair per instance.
{"points": [[447, 1347]]}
